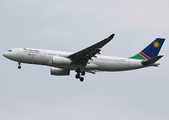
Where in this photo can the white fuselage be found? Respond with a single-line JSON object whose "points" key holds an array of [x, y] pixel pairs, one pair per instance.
{"points": [[45, 57]]}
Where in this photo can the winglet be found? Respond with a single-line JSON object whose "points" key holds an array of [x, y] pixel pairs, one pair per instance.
{"points": [[151, 61], [111, 36]]}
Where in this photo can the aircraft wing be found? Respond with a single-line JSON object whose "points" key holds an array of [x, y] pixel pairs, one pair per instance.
{"points": [[86, 54]]}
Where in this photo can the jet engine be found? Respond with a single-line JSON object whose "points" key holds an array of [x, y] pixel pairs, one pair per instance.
{"points": [[61, 60], [59, 71]]}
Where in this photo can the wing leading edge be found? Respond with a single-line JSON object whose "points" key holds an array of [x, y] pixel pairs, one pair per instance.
{"points": [[86, 54]]}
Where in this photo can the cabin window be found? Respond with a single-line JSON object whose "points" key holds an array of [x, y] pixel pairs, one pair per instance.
{"points": [[9, 50]]}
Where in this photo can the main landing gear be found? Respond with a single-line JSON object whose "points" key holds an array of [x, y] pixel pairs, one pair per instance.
{"points": [[19, 65], [79, 73]]}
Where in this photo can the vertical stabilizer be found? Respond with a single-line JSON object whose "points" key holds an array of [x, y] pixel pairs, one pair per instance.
{"points": [[150, 51]]}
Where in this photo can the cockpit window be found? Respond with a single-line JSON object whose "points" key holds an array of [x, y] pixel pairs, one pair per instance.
{"points": [[9, 50]]}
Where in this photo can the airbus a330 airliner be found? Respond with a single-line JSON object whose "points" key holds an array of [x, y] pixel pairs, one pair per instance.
{"points": [[86, 60]]}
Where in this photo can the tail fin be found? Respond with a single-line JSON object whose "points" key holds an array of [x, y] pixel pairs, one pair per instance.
{"points": [[150, 51]]}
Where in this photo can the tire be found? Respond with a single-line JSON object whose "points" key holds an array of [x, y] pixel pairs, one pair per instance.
{"points": [[77, 76], [83, 73], [81, 79]]}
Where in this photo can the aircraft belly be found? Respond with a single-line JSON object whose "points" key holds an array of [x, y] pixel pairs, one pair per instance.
{"points": [[113, 66], [118, 65]]}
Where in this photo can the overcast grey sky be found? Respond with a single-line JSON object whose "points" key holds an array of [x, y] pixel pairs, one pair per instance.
{"points": [[71, 25]]}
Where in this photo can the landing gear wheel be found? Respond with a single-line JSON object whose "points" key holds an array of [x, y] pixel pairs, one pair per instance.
{"points": [[83, 73], [19, 67], [77, 76], [79, 73], [81, 79]]}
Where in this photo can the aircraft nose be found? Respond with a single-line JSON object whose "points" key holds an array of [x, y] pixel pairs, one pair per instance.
{"points": [[4, 54], [7, 55]]}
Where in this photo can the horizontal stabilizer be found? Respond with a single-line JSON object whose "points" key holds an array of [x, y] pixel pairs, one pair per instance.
{"points": [[151, 61]]}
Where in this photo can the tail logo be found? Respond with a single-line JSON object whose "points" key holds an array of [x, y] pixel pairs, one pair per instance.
{"points": [[156, 44], [151, 50]]}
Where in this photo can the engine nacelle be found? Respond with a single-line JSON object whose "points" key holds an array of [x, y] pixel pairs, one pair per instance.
{"points": [[59, 71], [61, 60]]}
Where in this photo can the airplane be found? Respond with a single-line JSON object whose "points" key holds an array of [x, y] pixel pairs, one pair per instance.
{"points": [[86, 60]]}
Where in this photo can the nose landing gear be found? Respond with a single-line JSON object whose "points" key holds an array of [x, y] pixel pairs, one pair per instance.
{"points": [[79, 73], [19, 65]]}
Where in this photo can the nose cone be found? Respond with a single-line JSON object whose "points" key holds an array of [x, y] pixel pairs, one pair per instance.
{"points": [[8, 55], [4, 54]]}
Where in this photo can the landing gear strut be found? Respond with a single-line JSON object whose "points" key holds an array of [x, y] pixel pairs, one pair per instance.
{"points": [[79, 73], [19, 65]]}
